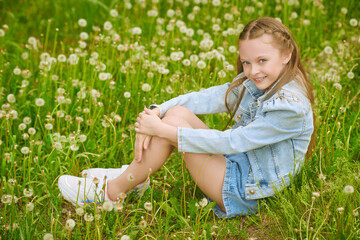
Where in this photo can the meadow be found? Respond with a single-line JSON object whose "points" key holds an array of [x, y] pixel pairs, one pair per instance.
{"points": [[74, 76]]}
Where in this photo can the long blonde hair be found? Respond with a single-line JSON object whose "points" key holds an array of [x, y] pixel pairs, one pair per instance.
{"points": [[294, 70]]}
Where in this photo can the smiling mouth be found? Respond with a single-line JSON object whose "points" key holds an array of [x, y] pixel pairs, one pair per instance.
{"points": [[259, 79]]}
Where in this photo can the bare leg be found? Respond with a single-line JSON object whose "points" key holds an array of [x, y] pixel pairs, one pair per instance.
{"points": [[207, 170]]}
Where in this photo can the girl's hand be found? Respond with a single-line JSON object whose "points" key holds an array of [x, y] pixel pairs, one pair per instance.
{"points": [[142, 142], [148, 123]]}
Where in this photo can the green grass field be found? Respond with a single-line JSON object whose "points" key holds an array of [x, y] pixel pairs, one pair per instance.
{"points": [[75, 74]]}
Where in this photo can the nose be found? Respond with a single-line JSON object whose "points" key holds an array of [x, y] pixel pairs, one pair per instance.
{"points": [[254, 69]]}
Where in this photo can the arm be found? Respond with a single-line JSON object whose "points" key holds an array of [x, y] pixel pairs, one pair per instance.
{"points": [[277, 122], [208, 101]]}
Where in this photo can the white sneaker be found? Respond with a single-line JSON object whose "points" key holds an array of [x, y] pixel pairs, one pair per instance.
{"points": [[100, 173], [79, 191], [111, 173]]}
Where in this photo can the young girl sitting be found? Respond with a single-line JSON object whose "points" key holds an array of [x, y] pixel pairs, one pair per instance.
{"points": [[270, 100]]}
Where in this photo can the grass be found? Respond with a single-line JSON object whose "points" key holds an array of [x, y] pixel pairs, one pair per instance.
{"points": [[322, 202]]}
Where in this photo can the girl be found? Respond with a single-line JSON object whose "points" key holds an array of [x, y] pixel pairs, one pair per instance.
{"points": [[270, 100]]}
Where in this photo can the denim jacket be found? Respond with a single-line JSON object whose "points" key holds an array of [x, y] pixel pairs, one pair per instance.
{"points": [[273, 131]]}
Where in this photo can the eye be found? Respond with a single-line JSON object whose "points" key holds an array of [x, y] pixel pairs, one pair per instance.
{"points": [[245, 63], [262, 60]]}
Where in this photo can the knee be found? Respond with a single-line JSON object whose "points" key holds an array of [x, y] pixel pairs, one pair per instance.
{"points": [[177, 111], [176, 116]]}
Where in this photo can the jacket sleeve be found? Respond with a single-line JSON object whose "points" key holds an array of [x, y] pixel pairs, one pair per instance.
{"points": [[208, 101], [280, 119]]}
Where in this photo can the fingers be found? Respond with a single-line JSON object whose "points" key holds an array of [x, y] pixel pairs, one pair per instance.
{"points": [[138, 146], [147, 142]]}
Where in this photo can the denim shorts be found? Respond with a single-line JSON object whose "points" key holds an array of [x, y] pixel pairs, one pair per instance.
{"points": [[237, 170]]}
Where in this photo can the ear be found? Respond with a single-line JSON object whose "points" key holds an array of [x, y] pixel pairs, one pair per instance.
{"points": [[286, 57]]}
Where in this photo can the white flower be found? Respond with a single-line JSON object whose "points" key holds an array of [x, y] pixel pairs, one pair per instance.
{"points": [[170, 13], [70, 224], [24, 150], [80, 211], [32, 131], [186, 62], [216, 3], [328, 50], [82, 138], [61, 58], [108, 206], [316, 194], [348, 189], [57, 145], [73, 59], [146, 87], [130, 177], [117, 118], [28, 192], [340, 210], [350, 75], [114, 13], [125, 237], [2, 33], [84, 36], [82, 22], [355, 213], [337, 86], [127, 94], [88, 217], [222, 74], [103, 76], [48, 126], [39, 102], [11, 98], [143, 224], [203, 202], [7, 198], [201, 64], [169, 90], [107, 26], [136, 31], [17, 71], [148, 206], [353, 22], [344, 10], [74, 147], [306, 22], [48, 236], [29, 207], [22, 126]]}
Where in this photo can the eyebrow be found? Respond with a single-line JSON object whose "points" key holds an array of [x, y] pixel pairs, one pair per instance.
{"points": [[259, 57]]}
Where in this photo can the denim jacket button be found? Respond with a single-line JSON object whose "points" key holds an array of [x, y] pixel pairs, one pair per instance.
{"points": [[239, 116], [252, 191]]}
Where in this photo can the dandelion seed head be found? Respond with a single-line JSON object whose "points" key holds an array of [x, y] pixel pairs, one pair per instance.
{"points": [[80, 211], [148, 206], [11, 98], [348, 189], [88, 217], [146, 87], [143, 224], [2, 33], [114, 13], [340, 209], [127, 94], [29, 206], [6, 199], [48, 126], [25, 150], [121, 196], [82, 22], [28, 192], [39, 102], [353, 22], [355, 213], [125, 237], [70, 224], [108, 206], [328, 50]]}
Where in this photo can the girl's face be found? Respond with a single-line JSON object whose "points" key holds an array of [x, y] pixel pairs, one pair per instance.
{"points": [[262, 61]]}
